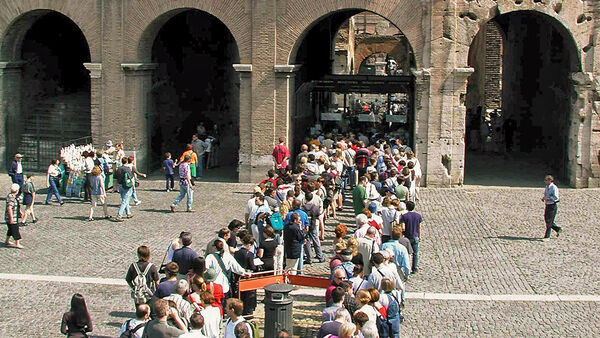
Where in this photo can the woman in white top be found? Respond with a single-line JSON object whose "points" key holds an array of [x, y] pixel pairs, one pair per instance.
{"points": [[417, 172], [212, 316], [53, 181], [389, 215], [364, 298]]}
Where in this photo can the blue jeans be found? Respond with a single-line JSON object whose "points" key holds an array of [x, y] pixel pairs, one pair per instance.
{"points": [[313, 237], [125, 197], [351, 176], [52, 190], [414, 242], [200, 165], [170, 181], [185, 190]]}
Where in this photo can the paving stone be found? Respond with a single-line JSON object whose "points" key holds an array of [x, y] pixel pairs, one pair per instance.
{"points": [[477, 240]]}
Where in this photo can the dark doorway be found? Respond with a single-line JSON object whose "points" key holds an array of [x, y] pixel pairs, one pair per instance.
{"points": [[519, 100], [55, 91], [195, 84]]}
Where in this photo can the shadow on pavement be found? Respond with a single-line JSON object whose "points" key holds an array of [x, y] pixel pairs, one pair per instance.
{"points": [[159, 211], [517, 238], [122, 314]]}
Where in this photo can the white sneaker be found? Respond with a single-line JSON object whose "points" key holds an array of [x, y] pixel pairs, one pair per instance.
{"points": [[138, 202]]}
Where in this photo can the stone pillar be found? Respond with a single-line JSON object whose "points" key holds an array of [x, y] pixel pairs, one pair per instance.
{"points": [[285, 85], [10, 109], [583, 145], [446, 153], [96, 111], [245, 156], [421, 102], [137, 108], [459, 111]]}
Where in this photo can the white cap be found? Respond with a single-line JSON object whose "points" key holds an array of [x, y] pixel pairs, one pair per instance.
{"points": [[14, 187]]}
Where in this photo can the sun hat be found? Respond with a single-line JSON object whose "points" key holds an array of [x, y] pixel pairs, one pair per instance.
{"points": [[210, 275]]}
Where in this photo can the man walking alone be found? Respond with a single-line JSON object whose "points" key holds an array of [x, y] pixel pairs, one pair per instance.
{"points": [[550, 199]]}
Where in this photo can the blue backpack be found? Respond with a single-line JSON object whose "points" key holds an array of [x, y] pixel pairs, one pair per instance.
{"points": [[276, 221]]}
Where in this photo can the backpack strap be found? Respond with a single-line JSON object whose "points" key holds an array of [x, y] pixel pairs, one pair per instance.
{"points": [[222, 265], [137, 269], [147, 269], [137, 327]]}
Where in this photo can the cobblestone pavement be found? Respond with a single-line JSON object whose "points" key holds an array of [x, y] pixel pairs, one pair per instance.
{"points": [[477, 240]]}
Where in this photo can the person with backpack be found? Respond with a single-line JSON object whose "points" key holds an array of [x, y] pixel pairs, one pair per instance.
{"points": [[124, 177], [142, 277], [391, 299], [134, 328]]}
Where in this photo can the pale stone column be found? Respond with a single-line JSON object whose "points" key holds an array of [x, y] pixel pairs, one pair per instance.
{"points": [[421, 101], [245, 155], [459, 111], [10, 109], [583, 144], [137, 107], [285, 86], [446, 154], [96, 111]]}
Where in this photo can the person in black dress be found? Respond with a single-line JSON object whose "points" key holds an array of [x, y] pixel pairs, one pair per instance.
{"points": [[245, 257], [267, 248], [76, 322]]}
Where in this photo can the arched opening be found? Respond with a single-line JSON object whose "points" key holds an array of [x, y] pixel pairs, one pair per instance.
{"points": [[519, 100], [196, 91], [333, 95], [54, 104]]}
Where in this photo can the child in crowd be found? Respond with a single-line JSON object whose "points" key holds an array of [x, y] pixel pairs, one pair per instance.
{"points": [[168, 166]]}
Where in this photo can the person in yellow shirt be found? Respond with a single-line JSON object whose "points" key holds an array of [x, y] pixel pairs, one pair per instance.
{"points": [[193, 159]]}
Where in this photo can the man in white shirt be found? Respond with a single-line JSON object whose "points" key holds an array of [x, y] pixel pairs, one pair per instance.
{"points": [[381, 270], [234, 310], [367, 246], [136, 325]]}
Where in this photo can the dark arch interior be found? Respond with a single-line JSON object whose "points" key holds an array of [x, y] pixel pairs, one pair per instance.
{"points": [[55, 90], [195, 84], [528, 135], [317, 55]]}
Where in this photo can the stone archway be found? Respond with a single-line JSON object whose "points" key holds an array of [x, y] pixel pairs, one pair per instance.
{"points": [[529, 57], [319, 56], [49, 86], [188, 44]]}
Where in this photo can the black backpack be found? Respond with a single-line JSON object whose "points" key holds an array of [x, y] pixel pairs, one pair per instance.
{"points": [[130, 332]]}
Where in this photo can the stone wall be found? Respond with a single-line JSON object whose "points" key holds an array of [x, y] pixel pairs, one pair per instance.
{"points": [[268, 34]]}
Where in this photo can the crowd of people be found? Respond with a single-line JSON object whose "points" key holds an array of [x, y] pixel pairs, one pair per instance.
{"points": [[283, 230]]}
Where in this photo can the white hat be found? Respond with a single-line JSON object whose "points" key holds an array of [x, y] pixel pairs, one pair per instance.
{"points": [[109, 143], [18, 155], [14, 187]]}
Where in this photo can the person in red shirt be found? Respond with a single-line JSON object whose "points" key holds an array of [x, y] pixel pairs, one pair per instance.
{"points": [[281, 154]]}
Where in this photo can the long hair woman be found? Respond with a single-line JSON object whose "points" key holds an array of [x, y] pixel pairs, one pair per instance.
{"points": [[76, 322]]}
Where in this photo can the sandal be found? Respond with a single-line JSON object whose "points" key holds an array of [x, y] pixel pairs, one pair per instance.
{"points": [[90, 219]]}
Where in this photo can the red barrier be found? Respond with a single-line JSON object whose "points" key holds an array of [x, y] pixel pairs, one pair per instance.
{"points": [[265, 278]]}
